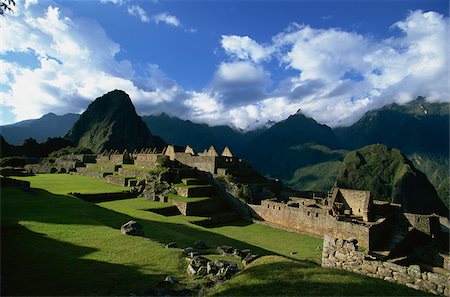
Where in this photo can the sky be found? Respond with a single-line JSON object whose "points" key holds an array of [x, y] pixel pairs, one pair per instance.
{"points": [[240, 63]]}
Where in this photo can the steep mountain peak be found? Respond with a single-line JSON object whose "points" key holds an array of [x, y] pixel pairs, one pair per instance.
{"points": [[111, 122], [390, 176]]}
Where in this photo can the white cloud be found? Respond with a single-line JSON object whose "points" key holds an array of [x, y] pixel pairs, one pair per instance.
{"points": [[139, 12], [28, 3], [116, 2], [343, 74], [340, 74], [243, 47], [166, 18], [76, 63], [239, 83]]}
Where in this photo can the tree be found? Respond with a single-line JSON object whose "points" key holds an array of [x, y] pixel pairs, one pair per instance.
{"points": [[6, 5]]}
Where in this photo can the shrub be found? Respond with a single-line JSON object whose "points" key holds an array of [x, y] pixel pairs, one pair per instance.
{"points": [[13, 161]]}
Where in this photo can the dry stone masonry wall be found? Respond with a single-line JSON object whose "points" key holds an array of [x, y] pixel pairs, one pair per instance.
{"points": [[344, 254]]}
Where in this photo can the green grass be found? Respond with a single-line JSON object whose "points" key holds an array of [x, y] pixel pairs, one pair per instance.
{"points": [[66, 183], [187, 199], [59, 245], [273, 275]]}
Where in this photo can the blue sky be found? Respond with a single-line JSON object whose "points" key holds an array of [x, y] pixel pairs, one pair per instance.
{"points": [[241, 63]]}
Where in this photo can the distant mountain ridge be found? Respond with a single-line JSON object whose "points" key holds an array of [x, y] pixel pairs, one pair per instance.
{"points": [[199, 136], [420, 129], [49, 125], [416, 127], [111, 122]]}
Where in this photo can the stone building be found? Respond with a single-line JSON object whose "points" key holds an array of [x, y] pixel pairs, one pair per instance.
{"points": [[347, 213]]}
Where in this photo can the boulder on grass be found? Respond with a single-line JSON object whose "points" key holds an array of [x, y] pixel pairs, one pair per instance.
{"points": [[224, 249], [171, 245], [132, 228], [249, 259], [200, 245]]}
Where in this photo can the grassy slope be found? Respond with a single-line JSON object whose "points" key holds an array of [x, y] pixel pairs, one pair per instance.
{"points": [[277, 276], [59, 245], [64, 183]]}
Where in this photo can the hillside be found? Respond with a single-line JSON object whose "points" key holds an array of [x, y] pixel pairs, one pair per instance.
{"points": [[390, 176], [280, 150], [49, 125], [111, 122], [420, 129]]}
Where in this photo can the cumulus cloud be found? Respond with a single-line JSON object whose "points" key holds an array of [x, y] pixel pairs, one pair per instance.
{"points": [[338, 75], [343, 74], [166, 18], [243, 47], [139, 12], [76, 63], [239, 83]]}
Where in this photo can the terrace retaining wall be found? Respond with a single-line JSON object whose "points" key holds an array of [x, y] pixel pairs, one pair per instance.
{"points": [[343, 254]]}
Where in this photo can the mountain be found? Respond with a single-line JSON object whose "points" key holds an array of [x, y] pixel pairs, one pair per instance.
{"points": [[416, 127], [390, 176], [420, 129], [286, 146], [111, 122], [198, 136], [49, 125]]}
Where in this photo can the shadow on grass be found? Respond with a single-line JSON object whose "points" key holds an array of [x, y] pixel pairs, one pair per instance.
{"points": [[34, 264], [305, 279]]}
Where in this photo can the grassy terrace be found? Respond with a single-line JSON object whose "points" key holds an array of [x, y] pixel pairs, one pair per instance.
{"points": [[66, 183], [185, 199], [53, 244]]}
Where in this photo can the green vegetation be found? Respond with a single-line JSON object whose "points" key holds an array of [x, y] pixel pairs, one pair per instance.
{"points": [[277, 276], [111, 122], [319, 177], [245, 193], [66, 183], [389, 176], [60, 245], [187, 199], [13, 161]]}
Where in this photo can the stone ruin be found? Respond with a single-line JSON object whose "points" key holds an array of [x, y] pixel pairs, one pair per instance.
{"points": [[344, 254]]}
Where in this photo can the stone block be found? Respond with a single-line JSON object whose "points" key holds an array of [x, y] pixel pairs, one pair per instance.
{"points": [[351, 265], [369, 268], [328, 241], [389, 279], [339, 243], [340, 256], [349, 247], [384, 272], [440, 289], [412, 286], [395, 267], [326, 263], [402, 278], [425, 285], [437, 279], [447, 291], [414, 271], [191, 270]]}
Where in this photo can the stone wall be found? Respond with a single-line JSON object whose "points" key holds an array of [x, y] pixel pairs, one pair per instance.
{"points": [[199, 207], [200, 191], [311, 220], [146, 160], [203, 163], [136, 173], [343, 254]]}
